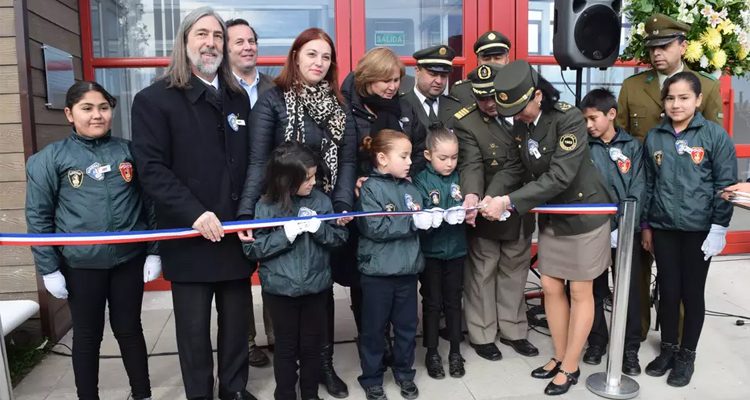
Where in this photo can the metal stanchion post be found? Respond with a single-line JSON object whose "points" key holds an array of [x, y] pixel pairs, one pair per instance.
{"points": [[613, 384], [6, 389]]}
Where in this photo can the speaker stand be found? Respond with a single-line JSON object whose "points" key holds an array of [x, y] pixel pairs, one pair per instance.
{"points": [[579, 81]]}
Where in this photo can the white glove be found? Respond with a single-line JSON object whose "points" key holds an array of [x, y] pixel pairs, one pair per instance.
{"points": [[151, 268], [312, 225], [613, 239], [455, 215], [437, 216], [715, 241], [292, 229], [422, 220], [55, 284]]}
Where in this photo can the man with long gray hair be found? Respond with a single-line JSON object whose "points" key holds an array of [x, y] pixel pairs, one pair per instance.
{"points": [[190, 140]]}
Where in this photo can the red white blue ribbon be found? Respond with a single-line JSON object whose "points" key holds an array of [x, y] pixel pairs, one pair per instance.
{"points": [[93, 238]]}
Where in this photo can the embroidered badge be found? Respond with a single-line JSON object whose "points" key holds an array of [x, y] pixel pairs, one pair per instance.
{"points": [[682, 147], [126, 170], [435, 197], [232, 120], [410, 204], [623, 165], [658, 156], [390, 207], [456, 192], [75, 177], [697, 155], [305, 212], [568, 142], [95, 172]]}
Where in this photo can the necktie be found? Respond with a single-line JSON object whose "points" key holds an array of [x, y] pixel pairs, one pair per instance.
{"points": [[431, 115]]}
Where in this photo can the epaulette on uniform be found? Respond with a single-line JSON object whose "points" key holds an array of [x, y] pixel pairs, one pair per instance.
{"points": [[638, 74], [707, 75], [563, 106], [464, 111], [461, 82]]}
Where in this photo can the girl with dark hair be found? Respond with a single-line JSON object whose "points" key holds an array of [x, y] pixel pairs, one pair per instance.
{"points": [[87, 183], [295, 270], [689, 159], [305, 107], [572, 248]]}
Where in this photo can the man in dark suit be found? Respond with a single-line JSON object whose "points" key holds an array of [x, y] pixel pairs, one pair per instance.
{"points": [[431, 78], [190, 140], [242, 47]]}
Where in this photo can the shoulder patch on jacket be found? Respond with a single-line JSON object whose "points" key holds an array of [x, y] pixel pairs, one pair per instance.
{"points": [[563, 106], [465, 111]]}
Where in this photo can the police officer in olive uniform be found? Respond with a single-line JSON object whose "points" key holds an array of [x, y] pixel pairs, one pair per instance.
{"points": [[426, 97], [640, 108], [491, 48], [573, 248], [498, 259]]}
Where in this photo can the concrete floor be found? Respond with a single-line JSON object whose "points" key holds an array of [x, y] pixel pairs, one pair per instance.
{"points": [[722, 366]]}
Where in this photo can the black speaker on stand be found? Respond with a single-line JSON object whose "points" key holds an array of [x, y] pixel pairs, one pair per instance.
{"points": [[586, 34]]}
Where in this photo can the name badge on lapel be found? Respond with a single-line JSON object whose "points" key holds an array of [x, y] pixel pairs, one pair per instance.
{"points": [[235, 122], [534, 149]]}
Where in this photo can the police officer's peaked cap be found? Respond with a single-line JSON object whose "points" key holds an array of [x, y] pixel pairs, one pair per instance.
{"points": [[490, 43], [436, 58], [515, 87], [483, 80], [662, 29]]}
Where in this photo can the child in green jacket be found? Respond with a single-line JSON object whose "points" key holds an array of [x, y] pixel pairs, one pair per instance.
{"points": [[444, 249], [295, 271]]}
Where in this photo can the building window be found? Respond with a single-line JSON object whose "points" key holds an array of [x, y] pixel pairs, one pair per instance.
{"points": [[409, 25], [146, 28]]}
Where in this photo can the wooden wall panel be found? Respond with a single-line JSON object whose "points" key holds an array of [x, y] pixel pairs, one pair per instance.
{"points": [[15, 255], [8, 79], [18, 279], [7, 22], [8, 51], [13, 196], [12, 168], [10, 112], [11, 138], [56, 13]]}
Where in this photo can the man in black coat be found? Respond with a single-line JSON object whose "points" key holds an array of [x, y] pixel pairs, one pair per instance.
{"points": [[242, 48], [190, 143]]}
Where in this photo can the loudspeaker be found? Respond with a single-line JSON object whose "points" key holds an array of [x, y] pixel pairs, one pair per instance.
{"points": [[586, 33]]}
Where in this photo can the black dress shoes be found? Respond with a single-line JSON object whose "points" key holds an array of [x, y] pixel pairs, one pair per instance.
{"points": [[243, 395], [571, 378], [522, 347], [409, 390], [257, 358], [541, 373], [434, 365], [488, 351], [593, 354]]}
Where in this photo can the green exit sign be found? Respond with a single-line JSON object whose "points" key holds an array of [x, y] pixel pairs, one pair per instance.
{"points": [[390, 38]]}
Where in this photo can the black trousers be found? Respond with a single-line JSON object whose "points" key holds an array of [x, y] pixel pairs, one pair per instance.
{"points": [[192, 314], [299, 324], [442, 286], [682, 274], [599, 331], [388, 299], [90, 290]]}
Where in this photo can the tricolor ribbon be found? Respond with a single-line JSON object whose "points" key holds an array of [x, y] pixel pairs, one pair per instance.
{"points": [[92, 238]]}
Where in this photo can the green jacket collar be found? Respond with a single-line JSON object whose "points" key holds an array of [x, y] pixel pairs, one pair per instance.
{"points": [[89, 141]]}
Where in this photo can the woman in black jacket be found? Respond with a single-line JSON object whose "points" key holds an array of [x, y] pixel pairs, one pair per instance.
{"points": [[306, 107]]}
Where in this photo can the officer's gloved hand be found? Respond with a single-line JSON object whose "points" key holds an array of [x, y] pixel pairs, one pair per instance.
{"points": [[613, 239], [55, 284], [437, 216], [292, 229], [422, 220], [151, 268], [455, 215], [715, 241]]}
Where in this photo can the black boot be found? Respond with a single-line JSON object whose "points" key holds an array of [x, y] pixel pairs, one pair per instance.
{"points": [[334, 385], [663, 362], [684, 366]]}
